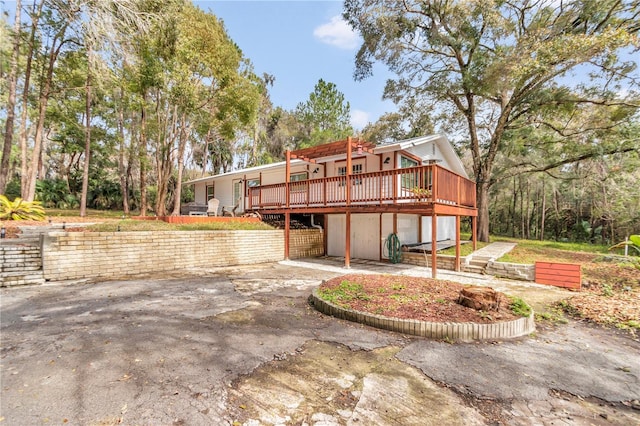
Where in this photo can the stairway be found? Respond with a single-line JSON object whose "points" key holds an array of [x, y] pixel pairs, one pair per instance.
{"points": [[478, 260], [20, 263]]}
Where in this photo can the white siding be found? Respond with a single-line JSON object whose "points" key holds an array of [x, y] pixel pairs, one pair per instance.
{"points": [[365, 235], [446, 229]]}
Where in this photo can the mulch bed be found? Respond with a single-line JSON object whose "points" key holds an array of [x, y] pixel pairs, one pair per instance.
{"points": [[410, 298]]}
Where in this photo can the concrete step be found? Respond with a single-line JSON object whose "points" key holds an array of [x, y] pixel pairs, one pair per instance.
{"points": [[472, 269], [10, 279], [21, 268]]}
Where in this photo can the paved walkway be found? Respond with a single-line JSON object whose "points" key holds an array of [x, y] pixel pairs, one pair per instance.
{"points": [[494, 250]]}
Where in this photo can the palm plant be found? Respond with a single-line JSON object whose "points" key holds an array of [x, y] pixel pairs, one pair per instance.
{"points": [[19, 209]]}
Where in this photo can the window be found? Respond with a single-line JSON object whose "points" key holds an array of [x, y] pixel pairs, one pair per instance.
{"points": [[410, 180], [298, 181], [298, 177], [252, 183], [356, 169], [407, 162], [237, 192], [210, 192]]}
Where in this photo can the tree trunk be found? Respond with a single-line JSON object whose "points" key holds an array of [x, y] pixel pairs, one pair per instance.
{"points": [[24, 171], [142, 155], [514, 194], [184, 135], [482, 195], [11, 102], [544, 211], [87, 141], [124, 187], [43, 102]]}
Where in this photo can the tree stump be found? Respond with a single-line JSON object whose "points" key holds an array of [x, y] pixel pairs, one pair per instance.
{"points": [[479, 298]]}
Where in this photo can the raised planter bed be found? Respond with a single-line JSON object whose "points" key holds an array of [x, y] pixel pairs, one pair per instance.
{"points": [[465, 332]]}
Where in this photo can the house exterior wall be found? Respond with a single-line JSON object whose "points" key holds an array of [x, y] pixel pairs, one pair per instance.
{"points": [[446, 228], [369, 232]]}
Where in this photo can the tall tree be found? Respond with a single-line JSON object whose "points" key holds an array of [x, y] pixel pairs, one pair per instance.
{"points": [[325, 115], [490, 66], [11, 101]]}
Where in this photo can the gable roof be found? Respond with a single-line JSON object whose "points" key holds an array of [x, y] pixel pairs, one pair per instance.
{"points": [[339, 148], [453, 160]]}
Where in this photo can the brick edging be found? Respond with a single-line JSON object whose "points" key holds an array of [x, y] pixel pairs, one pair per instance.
{"points": [[436, 330]]}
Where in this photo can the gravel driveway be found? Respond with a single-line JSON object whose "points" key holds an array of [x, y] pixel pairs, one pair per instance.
{"points": [[242, 346]]}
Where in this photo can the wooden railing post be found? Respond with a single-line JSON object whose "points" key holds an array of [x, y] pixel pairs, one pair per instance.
{"points": [[287, 178], [434, 183], [348, 173]]}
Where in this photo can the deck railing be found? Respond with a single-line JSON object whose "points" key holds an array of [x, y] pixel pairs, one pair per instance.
{"points": [[422, 184]]}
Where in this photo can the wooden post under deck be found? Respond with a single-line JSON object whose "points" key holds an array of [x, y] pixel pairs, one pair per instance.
{"points": [[287, 232], [474, 232], [287, 215], [347, 243], [456, 266], [434, 246]]}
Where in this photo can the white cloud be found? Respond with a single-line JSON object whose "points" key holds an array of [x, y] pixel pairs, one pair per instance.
{"points": [[337, 33], [359, 119]]}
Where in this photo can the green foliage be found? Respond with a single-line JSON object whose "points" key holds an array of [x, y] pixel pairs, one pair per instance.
{"points": [[633, 242], [325, 115], [19, 209], [130, 225], [345, 292], [519, 307], [499, 70], [55, 193]]}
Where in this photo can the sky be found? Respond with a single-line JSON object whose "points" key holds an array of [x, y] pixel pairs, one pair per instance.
{"points": [[300, 42]]}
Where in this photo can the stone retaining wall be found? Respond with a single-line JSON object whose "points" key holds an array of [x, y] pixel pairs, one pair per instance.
{"points": [[465, 332], [444, 261], [514, 271], [77, 255]]}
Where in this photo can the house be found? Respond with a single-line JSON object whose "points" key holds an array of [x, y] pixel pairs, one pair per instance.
{"points": [[415, 188]]}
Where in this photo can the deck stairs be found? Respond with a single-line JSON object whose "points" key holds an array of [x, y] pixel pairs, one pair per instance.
{"points": [[478, 260]]}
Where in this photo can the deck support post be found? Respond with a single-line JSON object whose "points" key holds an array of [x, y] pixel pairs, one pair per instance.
{"points": [[347, 243], [287, 233], [456, 266], [434, 245], [474, 232]]}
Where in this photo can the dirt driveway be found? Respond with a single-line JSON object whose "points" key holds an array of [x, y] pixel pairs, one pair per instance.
{"points": [[242, 346]]}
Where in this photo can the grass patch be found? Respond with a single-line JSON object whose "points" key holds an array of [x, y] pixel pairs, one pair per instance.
{"points": [[130, 225], [106, 214], [465, 249], [345, 292], [519, 307], [541, 246]]}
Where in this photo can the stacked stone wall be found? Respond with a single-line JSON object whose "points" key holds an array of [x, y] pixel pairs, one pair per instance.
{"points": [[444, 261], [90, 255], [514, 271], [77, 255]]}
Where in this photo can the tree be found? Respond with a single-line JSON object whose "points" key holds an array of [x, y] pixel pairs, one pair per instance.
{"points": [[490, 66], [11, 101], [325, 115]]}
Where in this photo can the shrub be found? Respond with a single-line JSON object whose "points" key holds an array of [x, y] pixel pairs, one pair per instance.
{"points": [[19, 209]]}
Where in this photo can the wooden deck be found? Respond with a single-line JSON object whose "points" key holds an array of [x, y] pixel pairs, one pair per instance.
{"points": [[426, 189]]}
